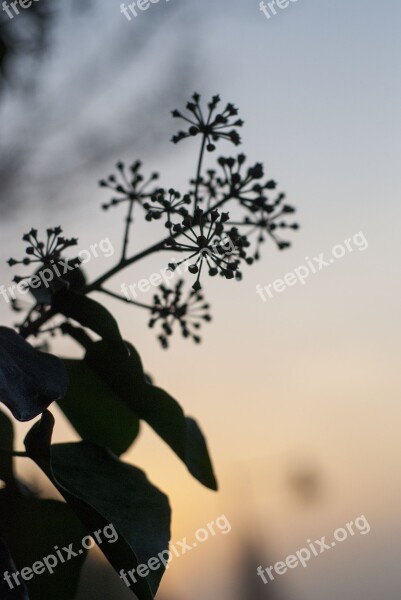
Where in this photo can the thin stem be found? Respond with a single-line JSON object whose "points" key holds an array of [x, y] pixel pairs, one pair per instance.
{"points": [[13, 453], [241, 223], [96, 285], [198, 173], [127, 228], [34, 327], [28, 316], [123, 298], [77, 333]]}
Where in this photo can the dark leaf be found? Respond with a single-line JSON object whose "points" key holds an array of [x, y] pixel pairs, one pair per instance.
{"points": [[29, 380], [103, 490], [88, 313], [75, 278], [76, 333], [95, 411], [120, 366], [7, 443], [125, 375], [181, 433], [9, 591], [31, 528]]}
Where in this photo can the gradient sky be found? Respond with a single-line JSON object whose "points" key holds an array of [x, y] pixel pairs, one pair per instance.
{"points": [[311, 377]]}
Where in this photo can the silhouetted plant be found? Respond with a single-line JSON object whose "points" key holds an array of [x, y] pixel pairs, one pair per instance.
{"points": [[106, 393]]}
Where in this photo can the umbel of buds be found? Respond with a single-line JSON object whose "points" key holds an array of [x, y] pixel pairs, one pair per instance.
{"points": [[214, 126], [217, 224]]}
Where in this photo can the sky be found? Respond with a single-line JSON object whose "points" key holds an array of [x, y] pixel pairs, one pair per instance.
{"points": [[308, 379]]}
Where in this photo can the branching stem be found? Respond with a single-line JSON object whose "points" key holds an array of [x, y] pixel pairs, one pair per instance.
{"points": [[13, 453]]}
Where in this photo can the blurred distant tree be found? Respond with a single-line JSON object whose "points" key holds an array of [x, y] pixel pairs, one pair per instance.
{"points": [[23, 38], [36, 114]]}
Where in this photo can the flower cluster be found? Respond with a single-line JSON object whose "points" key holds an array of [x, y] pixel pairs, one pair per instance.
{"points": [[167, 203], [57, 271], [130, 185], [264, 221], [44, 252], [213, 126], [217, 224], [206, 241], [169, 308], [246, 186]]}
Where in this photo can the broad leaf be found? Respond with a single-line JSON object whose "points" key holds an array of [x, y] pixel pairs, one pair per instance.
{"points": [[95, 411], [29, 380], [6, 442], [31, 528], [103, 490], [9, 591], [88, 313], [75, 278], [76, 333], [181, 433], [120, 366], [125, 375]]}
